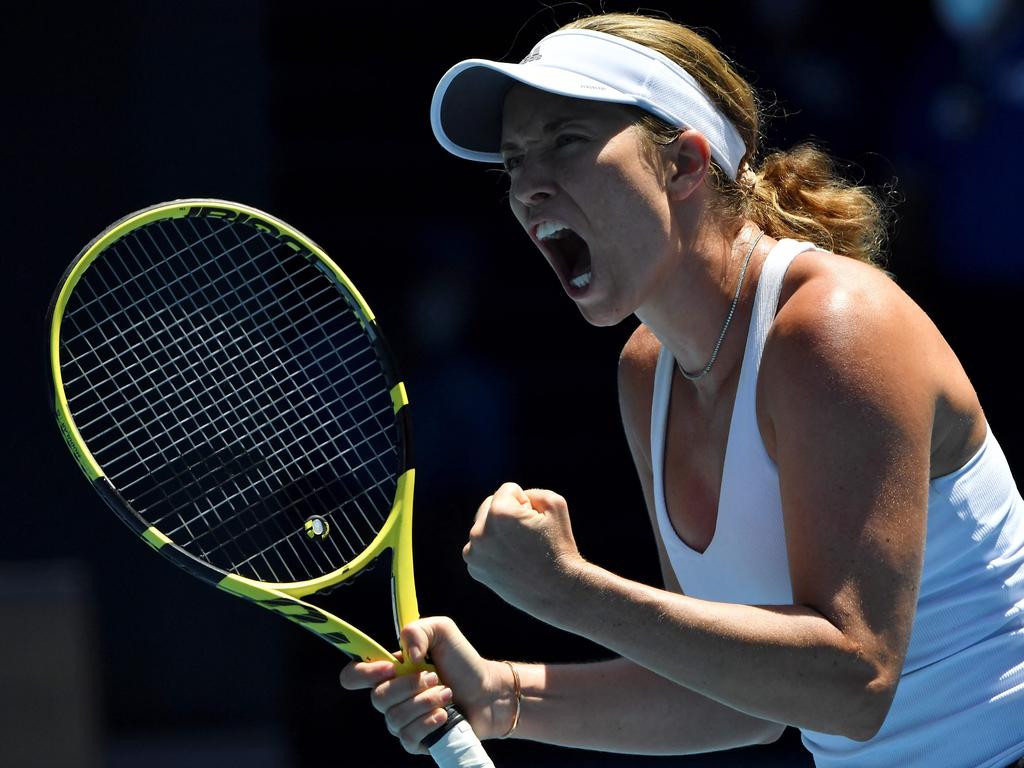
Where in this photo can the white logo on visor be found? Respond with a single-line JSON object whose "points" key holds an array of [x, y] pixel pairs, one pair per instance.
{"points": [[534, 56]]}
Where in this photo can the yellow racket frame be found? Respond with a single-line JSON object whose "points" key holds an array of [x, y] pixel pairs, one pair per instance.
{"points": [[284, 599]]}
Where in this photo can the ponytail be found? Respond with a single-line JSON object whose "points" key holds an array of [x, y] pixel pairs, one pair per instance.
{"points": [[799, 194]]}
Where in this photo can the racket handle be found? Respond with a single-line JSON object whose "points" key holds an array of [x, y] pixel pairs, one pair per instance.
{"points": [[454, 745]]}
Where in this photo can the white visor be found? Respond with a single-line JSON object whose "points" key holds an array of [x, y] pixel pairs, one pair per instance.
{"points": [[466, 111]]}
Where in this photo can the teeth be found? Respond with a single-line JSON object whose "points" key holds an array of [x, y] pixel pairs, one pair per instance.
{"points": [[549, 229], [580, 281]]}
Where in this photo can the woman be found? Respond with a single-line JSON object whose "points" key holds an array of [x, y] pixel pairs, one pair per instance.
{"points": [[841, 539]]}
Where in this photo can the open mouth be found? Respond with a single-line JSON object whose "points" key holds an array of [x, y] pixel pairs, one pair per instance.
{"points": [[570, 252]]}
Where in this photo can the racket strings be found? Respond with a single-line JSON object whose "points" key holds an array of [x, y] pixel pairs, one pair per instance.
{"points": [[237, 427], [233, 395], [292, 462], [171, 363], [142, 328], [368, 372], [175, 477], [131, 285], [187, 404], [236, 327]]}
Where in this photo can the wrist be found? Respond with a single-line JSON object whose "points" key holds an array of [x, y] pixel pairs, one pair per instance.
{"points": [[505, 695], [575, 578], [516, 697]]}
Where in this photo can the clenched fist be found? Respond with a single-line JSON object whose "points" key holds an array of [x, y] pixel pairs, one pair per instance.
{"points": [[521, 546]]}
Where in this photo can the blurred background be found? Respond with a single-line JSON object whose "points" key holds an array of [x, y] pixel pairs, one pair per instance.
{"points": [[318, 113]]}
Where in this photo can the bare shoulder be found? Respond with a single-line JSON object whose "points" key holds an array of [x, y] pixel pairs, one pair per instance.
{"points": [[637, 364], [846, 332], [840, 305]]}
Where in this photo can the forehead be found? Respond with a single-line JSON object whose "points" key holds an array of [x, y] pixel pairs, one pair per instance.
{"points": [[529, 113]]}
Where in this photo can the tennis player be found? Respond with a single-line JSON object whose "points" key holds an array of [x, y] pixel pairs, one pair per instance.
{"points": [[841, 538]]}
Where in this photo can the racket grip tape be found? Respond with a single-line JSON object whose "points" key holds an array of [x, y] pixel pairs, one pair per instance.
{"points": [[454, 745]]}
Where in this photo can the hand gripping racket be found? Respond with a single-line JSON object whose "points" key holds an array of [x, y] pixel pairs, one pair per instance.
{"points": [[226, 390]]}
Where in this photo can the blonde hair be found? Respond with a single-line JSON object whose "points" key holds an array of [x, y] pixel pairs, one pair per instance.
{"points": [[796, 193]]}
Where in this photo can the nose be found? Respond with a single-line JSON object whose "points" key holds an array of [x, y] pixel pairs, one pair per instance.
{"points": [[531, 183]]}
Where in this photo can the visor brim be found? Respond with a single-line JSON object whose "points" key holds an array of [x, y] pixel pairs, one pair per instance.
{"points": [[466, 111]]}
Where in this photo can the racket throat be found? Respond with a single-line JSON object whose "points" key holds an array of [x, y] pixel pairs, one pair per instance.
{"points": [[394, 610]]}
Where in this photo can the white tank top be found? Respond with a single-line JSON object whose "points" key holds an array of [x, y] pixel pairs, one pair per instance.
{"points": [[960, 700]]}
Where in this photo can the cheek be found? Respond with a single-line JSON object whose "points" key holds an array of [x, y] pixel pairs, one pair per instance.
{"points": [[518, 210], [636, 205], [636, 196]]}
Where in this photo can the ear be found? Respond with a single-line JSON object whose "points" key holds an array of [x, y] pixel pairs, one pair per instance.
{"points": [[688, 158]]}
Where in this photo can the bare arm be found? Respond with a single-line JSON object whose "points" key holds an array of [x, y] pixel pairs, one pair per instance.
{"points": [[618, 706], [851, 411], [613, 706]]}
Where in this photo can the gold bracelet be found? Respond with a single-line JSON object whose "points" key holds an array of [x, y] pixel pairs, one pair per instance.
{"points": [[517, 691]]}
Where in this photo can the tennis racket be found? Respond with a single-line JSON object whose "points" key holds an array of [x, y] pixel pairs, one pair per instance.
{"points": [[226, 390]]}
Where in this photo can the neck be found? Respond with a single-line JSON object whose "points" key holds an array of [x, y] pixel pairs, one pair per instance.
{"points": [[689, 314]]}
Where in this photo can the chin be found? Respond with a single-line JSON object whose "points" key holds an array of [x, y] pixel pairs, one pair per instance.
{"points": [[602, 317]]}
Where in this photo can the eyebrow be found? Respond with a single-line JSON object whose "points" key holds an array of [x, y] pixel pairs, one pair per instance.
{"points": [[549, 128]]}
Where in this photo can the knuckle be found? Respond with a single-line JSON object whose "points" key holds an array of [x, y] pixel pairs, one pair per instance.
{"points": [[412, 737], [551, 499], [413, 734], [393, 729], [377, 698]]}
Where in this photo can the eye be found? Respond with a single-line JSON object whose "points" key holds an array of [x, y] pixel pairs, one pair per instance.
{"points": [[567, 138], [511, 162]]}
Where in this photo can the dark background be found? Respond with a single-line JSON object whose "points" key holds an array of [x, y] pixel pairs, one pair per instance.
{"points": [[318, 113]]}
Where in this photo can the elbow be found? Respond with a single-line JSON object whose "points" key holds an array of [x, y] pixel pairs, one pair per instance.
{"points": [[877, 700], [866, 692], [870, 706], [769, 733], [856, 701]]}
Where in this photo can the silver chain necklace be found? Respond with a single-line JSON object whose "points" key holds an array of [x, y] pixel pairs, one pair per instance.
{"points": [[735, 300]]}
